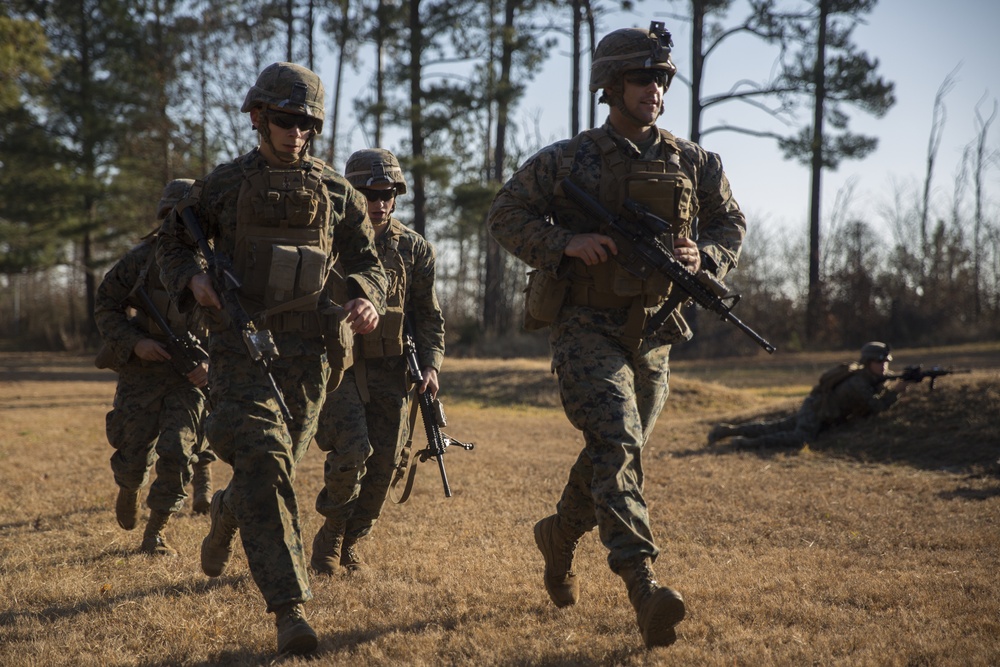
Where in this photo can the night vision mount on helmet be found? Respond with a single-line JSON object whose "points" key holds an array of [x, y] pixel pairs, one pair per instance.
{"points": [[290, 87], [631, 49]]}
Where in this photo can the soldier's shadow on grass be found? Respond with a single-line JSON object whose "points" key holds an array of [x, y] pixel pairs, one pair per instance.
{"points": [[335, 641], [236, 657], [105, 601], [50, 521]]}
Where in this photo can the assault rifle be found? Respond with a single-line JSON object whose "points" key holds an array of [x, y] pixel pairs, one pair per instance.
{"points": [[431, 412], [185, 353], [641, 253], [259, 344], [917, 374]]}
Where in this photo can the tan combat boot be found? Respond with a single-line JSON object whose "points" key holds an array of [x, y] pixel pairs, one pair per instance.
{"points": [[201, 482], [153, 542], [658, 608], [127, 508], [558, 547], [349, 557], [217, 547], [294, 633], [326, 547]]}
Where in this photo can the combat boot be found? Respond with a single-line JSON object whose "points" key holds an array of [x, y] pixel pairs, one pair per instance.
{"points": [[349, 557], [127, 508], [201, 482], [658, 608], [326, 547], [295, 635], [558, 547], [153, 542], [217, 547], [720, 431]]}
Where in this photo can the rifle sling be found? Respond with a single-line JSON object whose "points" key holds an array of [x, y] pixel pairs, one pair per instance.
{"points": [[406, 467]]}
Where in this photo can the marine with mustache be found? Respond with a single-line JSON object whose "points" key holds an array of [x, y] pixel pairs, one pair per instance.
{"points": [[613, 373]]}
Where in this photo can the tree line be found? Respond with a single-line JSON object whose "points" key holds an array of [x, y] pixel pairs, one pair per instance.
{"points": [[104, 101]]}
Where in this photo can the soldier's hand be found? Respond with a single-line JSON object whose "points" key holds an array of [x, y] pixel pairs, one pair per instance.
{"points": [[201, 287], [361, 315], [591, 248], [686, 252], [150, 350], [199, 375], [430, 382]]}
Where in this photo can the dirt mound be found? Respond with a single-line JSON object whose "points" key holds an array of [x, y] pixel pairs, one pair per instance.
{"points": [[953, 428]]}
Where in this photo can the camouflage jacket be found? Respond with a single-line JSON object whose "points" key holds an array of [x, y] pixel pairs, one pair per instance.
{"points": [[420, 297], [115, 304], [527, 219], [215, 209], [863, 394]]}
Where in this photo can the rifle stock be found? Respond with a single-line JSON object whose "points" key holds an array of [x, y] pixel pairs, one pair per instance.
{"points": [[259, 343], [642, 254]]}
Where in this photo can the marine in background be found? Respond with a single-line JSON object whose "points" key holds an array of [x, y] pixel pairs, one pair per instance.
{"points": [[363, 425], [158, 413], [845, 393]]}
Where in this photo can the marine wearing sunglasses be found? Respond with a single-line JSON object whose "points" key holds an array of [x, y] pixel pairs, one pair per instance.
{"points": [[287, 121]]}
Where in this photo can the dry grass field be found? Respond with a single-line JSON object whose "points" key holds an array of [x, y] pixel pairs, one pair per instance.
{"points": [[877, 545]]}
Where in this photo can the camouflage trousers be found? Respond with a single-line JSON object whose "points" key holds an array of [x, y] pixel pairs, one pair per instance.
{"points": [[157, 417], [792, 431], [614, 396], [247, 431], [362, 453]]}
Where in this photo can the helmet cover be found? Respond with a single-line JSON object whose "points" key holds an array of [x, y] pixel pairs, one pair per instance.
{"points": [[175, 191], [372, 166], [289, 87], [875, 351], [629, 49]]}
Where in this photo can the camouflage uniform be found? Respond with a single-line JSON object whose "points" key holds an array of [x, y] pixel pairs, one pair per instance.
{"points": [[245, 428], [363, 453], [862, 394], [611, 389], [157, 412]]}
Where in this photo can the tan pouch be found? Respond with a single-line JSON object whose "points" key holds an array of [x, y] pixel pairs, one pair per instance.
{"points": [[339, 342], [544, 298], [105, 358]]}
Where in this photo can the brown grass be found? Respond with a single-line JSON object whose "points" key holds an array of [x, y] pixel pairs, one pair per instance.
{"points": [[876, 546]]}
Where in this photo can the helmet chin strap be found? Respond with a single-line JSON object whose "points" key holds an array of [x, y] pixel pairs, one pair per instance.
{"points": [[264, 127]]}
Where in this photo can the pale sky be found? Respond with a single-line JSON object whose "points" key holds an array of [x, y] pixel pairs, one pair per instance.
{"points": [[917, 43]]}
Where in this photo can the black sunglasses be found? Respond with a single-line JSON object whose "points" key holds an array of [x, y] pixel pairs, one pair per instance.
{"points": [[378, 195], [644, 77], [287, 121]]}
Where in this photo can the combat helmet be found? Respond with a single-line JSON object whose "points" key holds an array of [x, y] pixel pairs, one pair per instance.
{"points": [[630, 49], [875, 351], [175, 191], [372, 166], [291, 87]]}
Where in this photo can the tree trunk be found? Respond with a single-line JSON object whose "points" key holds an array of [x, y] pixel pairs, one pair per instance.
{"points": [[574, 110], [495, 315], [814, 298], [416, 121]]}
